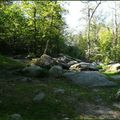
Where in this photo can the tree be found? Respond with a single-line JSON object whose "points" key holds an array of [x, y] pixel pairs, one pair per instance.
{"points": [[90, 14]]}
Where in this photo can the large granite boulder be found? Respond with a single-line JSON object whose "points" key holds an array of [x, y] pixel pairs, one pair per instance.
{"points": [[44, 61], [75, 67], [113, 67], [33, 71], [56, 71], [89, 78], [72, 62], [83, 66]]}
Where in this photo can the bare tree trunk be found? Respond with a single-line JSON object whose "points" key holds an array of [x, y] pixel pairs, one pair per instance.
{"points": [[115, 31], [88, 34], [88, 29], [46, 47]]}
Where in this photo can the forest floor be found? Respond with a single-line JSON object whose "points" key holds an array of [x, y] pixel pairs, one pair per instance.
{"points": [[71, 102]]}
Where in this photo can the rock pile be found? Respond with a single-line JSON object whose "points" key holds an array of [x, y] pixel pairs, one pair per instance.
{"points": [[79, 72], [65, 61]]}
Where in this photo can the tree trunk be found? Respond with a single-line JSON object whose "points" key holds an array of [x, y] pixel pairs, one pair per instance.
{"points": [[88, 35]]}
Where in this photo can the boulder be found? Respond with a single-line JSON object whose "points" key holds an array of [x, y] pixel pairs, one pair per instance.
{"points": [[116, 77], [93, 66], [56, 71], [44, 61], [83, 66], [113, 67], [39, 97], [33, 71], [72, 62], [35, 61], [75, 67], [89, 78], [15, 117]]}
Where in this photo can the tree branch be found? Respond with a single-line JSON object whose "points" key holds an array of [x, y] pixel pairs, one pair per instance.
{"points": [[95, 10]]}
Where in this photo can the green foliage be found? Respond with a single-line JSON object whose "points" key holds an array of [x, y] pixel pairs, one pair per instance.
{"points": [[26, 27]]}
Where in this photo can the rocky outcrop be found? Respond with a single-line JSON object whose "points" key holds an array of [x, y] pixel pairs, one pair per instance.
{"points": [[89, 78], [44, 61]]}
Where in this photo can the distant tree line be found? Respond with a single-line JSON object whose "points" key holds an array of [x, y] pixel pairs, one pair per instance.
{"points": [[37, 27]]}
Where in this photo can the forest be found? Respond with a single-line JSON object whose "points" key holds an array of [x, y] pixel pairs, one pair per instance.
{"points": [[27, 27], [51, 70]]}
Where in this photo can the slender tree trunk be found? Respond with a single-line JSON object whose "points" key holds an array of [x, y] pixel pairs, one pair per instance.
{"points": [[116, 33], [90, 16], [46, 47], [88, 34]]}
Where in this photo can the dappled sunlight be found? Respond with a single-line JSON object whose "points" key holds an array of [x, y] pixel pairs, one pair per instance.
{"points": [[59, 60]]}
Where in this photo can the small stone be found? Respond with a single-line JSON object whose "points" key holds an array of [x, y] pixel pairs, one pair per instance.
{"points": [[15, 117], [66, 118], [26, 80], [117, 105], [60, 90], [39, 97]]}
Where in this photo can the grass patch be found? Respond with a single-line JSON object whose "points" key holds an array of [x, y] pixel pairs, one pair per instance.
{"points": [[110, 73], [18, 97], [9, 63]]}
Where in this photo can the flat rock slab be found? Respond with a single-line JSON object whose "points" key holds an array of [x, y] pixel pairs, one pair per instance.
{"points": [[116, 77], [89, 78]]}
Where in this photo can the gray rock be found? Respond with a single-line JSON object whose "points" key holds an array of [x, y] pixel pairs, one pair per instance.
{"points": [[83, 66], [32, 70], [26, 79], [60, 90], [93, 66], [116, 77], [117, 105], [75, 67], [39, 97], [72, 62], [43, 61], [15, 117], [56, 71], [89, 78]]}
